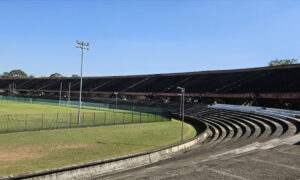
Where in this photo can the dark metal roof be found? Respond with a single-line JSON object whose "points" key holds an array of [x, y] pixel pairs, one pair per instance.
{"points": [[177, 74]]}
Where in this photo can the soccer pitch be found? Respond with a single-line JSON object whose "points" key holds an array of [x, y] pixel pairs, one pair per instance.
{"points": [[12, 107], [25, 152], [18, 116]]}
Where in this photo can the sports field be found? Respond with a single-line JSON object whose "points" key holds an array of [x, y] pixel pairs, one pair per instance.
{"points": [[18, 116], [24, 152], [11, 107], [30, 151]]}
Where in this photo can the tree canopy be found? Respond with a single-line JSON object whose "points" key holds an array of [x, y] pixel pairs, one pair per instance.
{"points": [[15, 73], [5, 74], [56, 75], [75, 75], [279, 62]]}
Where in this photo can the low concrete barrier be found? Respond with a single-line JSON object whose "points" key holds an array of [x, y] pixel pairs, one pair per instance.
{"points": [[84, 171]]}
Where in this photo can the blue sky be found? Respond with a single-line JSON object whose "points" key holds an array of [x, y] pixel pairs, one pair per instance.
{"points": [[142, 37]]}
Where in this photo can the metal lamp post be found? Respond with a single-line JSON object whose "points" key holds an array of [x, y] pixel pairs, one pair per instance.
{"points": [[82, 45], [182, 109]]}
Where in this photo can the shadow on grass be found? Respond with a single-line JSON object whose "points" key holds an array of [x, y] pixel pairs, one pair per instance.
{"points": [[128, 144]]}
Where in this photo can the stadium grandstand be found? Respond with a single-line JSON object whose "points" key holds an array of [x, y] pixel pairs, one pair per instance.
{"points": [[276, 86], [154, 90], [237, 139]]}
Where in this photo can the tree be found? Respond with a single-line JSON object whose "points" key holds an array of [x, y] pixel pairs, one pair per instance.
{"points": [[279, 62], [5, 75], [18, 73], [56, 75], [75, 75], [15, 73]]}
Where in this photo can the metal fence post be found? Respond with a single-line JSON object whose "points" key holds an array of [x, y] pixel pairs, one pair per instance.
{"points": [[148, 117], [56, 120], [26, 122], [132, 117], [114, 118], [42, 120], [7, 122], [123, 117], [104, 117], [82, 119], [159, 116], [94, 118], [70, 119]]}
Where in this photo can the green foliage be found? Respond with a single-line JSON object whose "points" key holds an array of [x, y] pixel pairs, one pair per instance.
{"points": [[75, 75], [56, 75], [279, 62], [5, 74], [15, 73]]}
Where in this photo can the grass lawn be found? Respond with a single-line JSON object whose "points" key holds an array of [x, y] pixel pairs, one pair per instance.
{"points": [[31, 151], [7, 107], [17, 117]]}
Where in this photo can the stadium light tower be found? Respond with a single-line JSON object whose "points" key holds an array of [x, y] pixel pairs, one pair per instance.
{"points": [[182, 109], [82, 45]]}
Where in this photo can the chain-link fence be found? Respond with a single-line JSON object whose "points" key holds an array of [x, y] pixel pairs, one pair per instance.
{"points": [[31, 122], [83, 104]]}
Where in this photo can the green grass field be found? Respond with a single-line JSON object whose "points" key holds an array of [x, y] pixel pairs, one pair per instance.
{"points": [[24, 152], [17, 117], [11, 107], [31, 151]]}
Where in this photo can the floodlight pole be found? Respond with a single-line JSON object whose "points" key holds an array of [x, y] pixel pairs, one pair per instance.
{"points": [[182, 109], [82, 45]]}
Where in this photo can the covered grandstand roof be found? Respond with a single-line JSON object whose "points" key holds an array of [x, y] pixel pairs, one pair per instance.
{"points": [[266, 82]]}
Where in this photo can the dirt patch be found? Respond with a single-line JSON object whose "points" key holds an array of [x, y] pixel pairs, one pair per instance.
{"points": [[35, 152], [70, 146], [19, 154]]}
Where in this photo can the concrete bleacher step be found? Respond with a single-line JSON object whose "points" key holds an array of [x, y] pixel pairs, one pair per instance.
{"points": [[289, 115], [276, 128], [227, 132], [241, 128], [231, 128], [282, 121], [226, 129], [287, 127], [263, 128], [255, 130]]}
